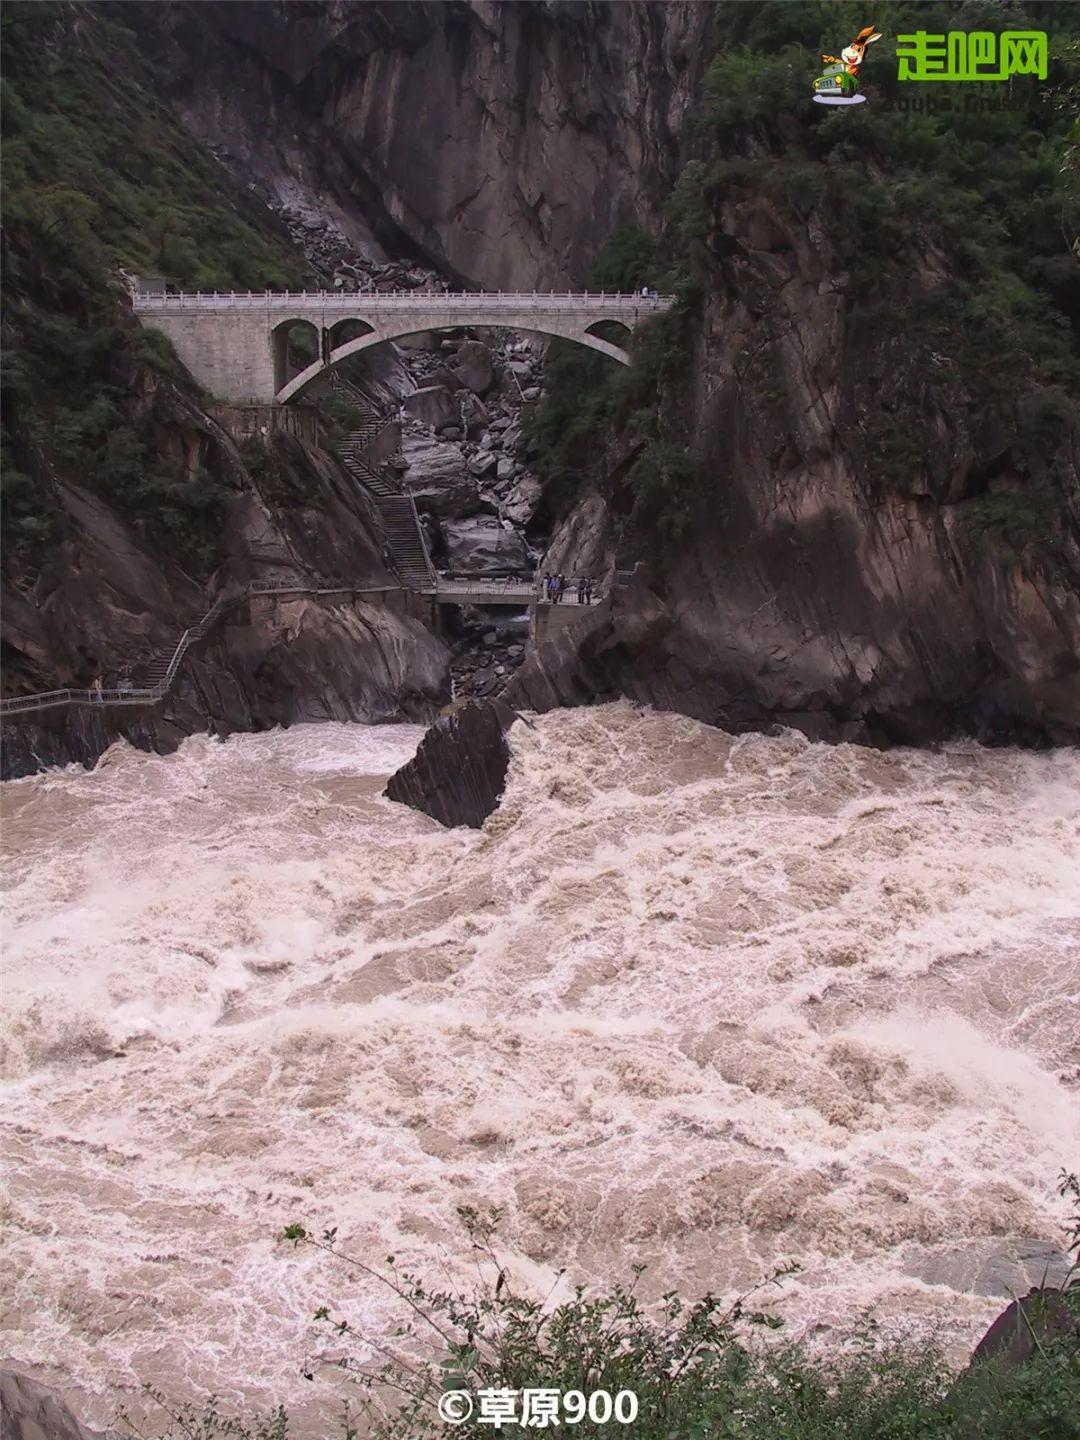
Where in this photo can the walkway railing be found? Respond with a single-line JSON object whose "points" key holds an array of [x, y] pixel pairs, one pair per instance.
{"points": [[153, 694], [450, 592]]}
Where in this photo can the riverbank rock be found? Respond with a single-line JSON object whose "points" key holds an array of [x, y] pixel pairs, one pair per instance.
{"points": [[473, 367], [1025, 1326], [29, 1411], [433, 406], [458, 774], [482, 546]]}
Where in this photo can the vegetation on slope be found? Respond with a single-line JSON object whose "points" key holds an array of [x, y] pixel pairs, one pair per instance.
{"points": [[98, 176]]}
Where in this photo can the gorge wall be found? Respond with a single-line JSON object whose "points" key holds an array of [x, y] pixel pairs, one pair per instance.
{"points": [[499, 142], [878, 514], [833, 578], [802, 593]]}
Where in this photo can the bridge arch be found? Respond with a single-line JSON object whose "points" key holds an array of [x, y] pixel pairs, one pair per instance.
{"points": [[288, 391], [282, 336]]}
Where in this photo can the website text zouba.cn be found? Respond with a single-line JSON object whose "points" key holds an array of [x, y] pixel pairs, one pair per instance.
{"points": [[537, 1409], [943, 104]]}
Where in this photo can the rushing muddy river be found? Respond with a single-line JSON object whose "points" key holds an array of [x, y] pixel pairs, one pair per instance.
{"points": [[705, 1003]]}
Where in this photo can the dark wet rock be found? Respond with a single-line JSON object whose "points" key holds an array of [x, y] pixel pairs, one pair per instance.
{"points": [[31, 1411], [473, 367], [458, 774], [483, 546], [1025, 1326]]}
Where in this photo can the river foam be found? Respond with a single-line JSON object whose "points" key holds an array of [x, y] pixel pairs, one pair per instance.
{"points": [[707, 1003]]}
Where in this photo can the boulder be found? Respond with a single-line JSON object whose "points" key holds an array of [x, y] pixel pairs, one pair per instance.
{"points": [[438, 478], [519, 368], [520, 501], [458, 774], [483, 464], [34, 1412], [1023, 1327], [484, 547], [531, 392], [473, 368], [434, 406], [505, 468], [440, 375]]}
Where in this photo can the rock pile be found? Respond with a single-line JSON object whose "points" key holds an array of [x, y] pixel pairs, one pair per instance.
{"points": [[466, 465]]}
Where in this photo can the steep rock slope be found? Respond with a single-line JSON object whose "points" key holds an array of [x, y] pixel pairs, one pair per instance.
{"points": [[855, 504], [130, 501], [496, 140], [806, 592]]}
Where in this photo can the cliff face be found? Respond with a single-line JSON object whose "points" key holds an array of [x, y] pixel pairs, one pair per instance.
{"points": [[802, 592], [502, 142], [108, 599]]}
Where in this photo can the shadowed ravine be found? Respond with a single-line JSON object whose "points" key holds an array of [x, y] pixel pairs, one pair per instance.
{"points": [[707, 1003]]}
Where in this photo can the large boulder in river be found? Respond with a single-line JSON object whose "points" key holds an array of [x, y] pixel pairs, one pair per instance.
{"points": [[484, 464], [433, 406], [30, 1411], [438, 477], [458, 774], [473, 367], [484, 547]]}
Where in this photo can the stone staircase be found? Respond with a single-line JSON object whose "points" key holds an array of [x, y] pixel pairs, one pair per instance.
{"points": [[404, 534]]}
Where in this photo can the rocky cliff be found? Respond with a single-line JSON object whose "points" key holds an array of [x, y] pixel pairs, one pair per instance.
{"points": [[109, 597], [805, 590], [497, 141], [852, 503]]}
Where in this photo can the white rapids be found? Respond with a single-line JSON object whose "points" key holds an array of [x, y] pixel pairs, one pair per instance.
{"points": [[707, 1003]]}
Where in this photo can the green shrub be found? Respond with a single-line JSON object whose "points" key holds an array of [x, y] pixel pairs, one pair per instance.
{"points": [[698, 1370]]}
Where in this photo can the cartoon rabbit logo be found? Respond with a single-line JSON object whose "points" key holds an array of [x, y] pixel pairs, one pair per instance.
{"points": [[839, 83]]}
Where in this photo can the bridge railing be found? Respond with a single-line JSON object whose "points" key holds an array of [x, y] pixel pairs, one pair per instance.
{"points": [[488, 301]]}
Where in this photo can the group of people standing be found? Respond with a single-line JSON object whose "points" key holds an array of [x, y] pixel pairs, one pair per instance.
{"points": [[556, 587]]}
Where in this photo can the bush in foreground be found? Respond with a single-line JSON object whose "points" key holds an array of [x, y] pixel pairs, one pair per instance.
{"points": [[696, 1370]]}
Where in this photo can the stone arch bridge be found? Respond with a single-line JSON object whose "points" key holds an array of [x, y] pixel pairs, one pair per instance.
{"points": [[236, 345]]}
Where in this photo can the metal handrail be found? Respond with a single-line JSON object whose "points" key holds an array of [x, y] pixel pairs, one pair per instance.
{"points": [[152, 694]]}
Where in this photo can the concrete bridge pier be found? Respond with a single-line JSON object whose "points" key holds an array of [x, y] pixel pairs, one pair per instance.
{"points": [[234, 361], [546, 620]]}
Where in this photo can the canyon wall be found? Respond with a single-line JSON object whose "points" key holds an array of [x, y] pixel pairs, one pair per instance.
{"points": [[500, 142]]}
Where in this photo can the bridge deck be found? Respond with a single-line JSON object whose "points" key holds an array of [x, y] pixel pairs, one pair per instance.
{"points": [[493, 592], [394, 302]]}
